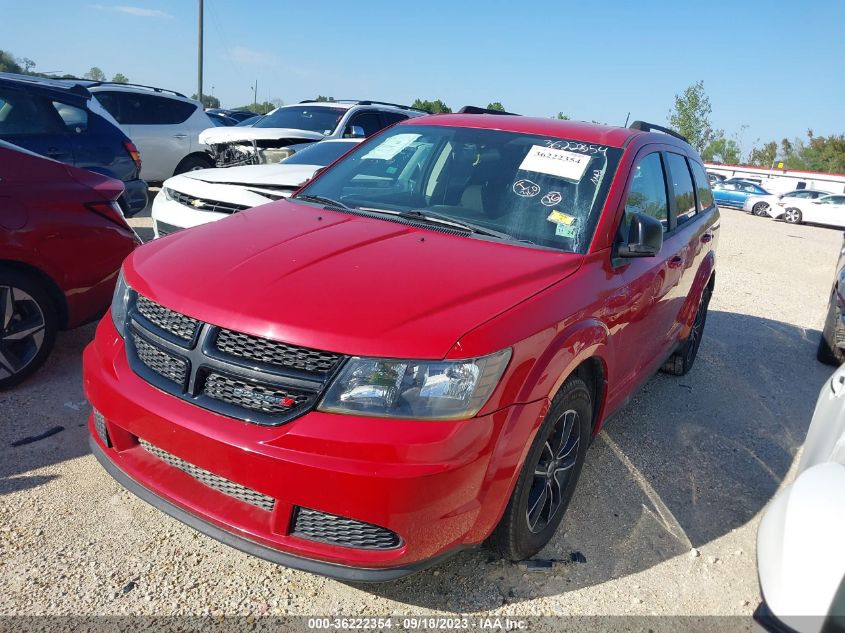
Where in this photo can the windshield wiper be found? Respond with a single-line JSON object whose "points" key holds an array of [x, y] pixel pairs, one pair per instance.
{"points": [[442, 218], [325, 201]]}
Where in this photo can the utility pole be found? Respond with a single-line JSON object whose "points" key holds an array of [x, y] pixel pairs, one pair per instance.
{"points": [[255, 98], [199, 55]]}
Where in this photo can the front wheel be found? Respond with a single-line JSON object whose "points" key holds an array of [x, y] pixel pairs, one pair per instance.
{"points": [[548, 476], [792, 216], [760, 209], [193, 163]]}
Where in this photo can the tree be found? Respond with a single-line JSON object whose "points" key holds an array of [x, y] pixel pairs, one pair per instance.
{"points": [[722, 150], [208, 101], [763, 156], [95, 74], [435, 107], [691, 116], [8, 63], [322, 98], [496, 105], [258, 108], [120, 78], [560, 116], [27, 64]]}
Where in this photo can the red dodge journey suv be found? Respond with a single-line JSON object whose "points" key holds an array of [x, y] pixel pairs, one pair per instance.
{"points": [[411, 355]]}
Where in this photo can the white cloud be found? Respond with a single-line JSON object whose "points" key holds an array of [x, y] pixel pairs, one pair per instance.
{"points": [[136, 11], [244, 55]]}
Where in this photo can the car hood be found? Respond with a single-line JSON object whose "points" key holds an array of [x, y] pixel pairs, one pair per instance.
{"points": [[339, 282], [275, 174], [215, 135]]}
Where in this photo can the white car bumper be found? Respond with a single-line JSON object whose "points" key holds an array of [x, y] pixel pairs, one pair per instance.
{"points": [[185, 202]]}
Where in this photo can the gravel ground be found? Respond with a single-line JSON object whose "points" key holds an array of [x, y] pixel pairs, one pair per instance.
{"points": [[663, 521]]}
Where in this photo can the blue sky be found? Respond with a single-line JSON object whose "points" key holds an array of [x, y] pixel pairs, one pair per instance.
{"points": [[773, 66]]}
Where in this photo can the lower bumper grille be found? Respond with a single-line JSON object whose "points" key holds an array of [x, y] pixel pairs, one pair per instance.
{"points": [[217, 482], [164, 228], [335, 530]]}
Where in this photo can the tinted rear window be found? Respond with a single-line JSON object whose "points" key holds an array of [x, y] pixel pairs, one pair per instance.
{"points": [[131, 108], [702, 187], [682, 185]]}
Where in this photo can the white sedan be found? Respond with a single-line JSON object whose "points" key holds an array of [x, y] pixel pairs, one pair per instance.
{"points": [[800, 544], [829, 210], [206, 195], [767, 205]]}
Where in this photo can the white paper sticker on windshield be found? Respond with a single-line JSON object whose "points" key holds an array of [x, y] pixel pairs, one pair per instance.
{"points": [[389, 148], [555, 162]]}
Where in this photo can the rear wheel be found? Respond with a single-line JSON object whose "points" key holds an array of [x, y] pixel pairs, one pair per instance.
{"points": [[760, 209], [828, 351], [682, 360], [548, 476], [193, 163], [28, 325], [792, 216]]}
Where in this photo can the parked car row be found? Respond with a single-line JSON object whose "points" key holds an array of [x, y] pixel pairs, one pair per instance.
{"points": [[794, 207]]}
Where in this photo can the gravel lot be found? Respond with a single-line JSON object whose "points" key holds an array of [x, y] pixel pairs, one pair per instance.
{"points": [[665, 514]]}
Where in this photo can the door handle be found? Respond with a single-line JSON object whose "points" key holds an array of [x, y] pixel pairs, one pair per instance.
{"points": [[676, 262], [180, 136], [706, 238]]}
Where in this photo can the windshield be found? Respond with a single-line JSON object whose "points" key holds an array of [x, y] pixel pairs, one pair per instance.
{"points": [[311, 118], [535, 189], [323, 153]]}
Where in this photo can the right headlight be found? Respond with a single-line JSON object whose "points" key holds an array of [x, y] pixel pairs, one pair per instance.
{"points": [[119, 303], [415, 389]]}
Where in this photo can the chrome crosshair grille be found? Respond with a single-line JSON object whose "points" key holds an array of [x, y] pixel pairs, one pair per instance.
{"points": [[238, 375]]}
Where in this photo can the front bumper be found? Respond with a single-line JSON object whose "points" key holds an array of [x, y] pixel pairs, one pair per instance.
{"points": [[170, 216], [441, 486]]}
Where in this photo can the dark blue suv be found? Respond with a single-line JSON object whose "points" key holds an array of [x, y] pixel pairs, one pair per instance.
{"points": [[64, 122]]}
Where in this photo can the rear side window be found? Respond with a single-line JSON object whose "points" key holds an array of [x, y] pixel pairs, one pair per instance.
{"points": [[389, 118], [648, 192], [75, 119], [22, 113], [702, 188], [131, 108], [682, 187]]}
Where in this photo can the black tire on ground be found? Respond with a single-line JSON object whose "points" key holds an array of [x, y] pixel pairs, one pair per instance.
{"points": [[193, 163], [28, 325], [548, 476], [760, 209], [828, 352], [792, 216], [683, 359]]}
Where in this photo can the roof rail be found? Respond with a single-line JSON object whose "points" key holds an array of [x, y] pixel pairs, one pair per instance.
{"points": [[367, 102], [642, 126], [50, 83], [120, 83], [468, 109]]}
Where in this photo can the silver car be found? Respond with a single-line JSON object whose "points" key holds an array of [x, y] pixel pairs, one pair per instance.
{"points": [[801, 540]]}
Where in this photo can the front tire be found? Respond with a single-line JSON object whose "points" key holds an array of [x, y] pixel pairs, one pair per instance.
{"points": [[761, 209], [792, 216], [28, 325], [548, 476]]}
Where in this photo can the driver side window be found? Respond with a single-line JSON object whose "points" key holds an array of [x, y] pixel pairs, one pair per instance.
{"points": [[647, 194]]}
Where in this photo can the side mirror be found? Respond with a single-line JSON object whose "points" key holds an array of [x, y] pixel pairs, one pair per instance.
{"points": [[645, 237], [354, 131]]}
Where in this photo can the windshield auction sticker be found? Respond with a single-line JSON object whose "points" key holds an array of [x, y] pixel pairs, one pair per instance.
{"points": [[390, 147], [555, 162]]}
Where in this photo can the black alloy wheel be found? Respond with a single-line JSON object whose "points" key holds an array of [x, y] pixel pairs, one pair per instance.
{"points": [[27, 327], [552, 472]]}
